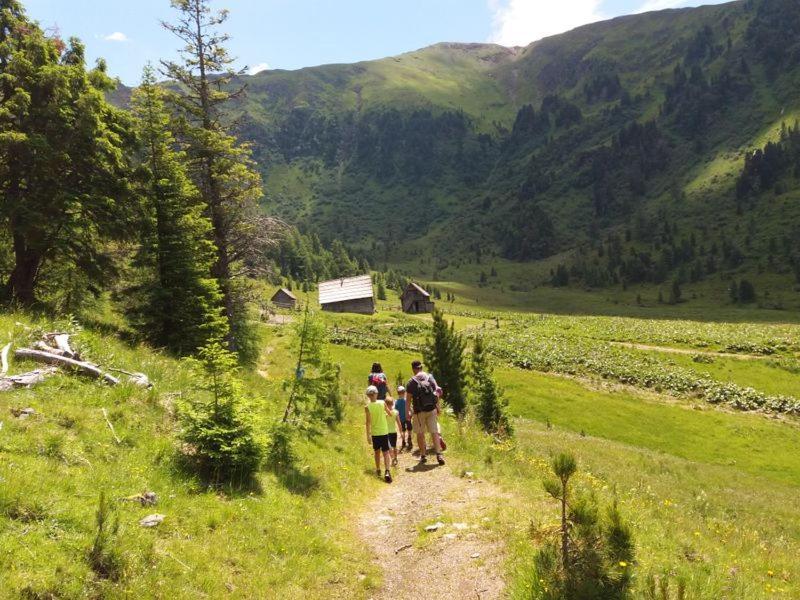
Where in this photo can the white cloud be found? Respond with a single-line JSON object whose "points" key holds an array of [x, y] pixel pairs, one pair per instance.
{"points": [[650, 5], [520, 22], [117, 36], [258, 68]]}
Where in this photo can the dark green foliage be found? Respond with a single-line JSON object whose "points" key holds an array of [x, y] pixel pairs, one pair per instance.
{"points": [[491, 409], [593, 558], [220, 166], [104, 557], [444, 359], [745, 292], [675, 292], [64, 166], [314, 393], [179, 304], [305, 258], [281, 457], [217, 428]]}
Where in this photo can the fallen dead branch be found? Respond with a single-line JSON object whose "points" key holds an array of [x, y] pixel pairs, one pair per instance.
{"points": [[82, 367], [9, 382], [111, 427], [4, 358]]}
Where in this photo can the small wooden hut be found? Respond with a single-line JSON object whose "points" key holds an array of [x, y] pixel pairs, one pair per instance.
{"points": [[349, 294], [283, 298], [416, 300]]}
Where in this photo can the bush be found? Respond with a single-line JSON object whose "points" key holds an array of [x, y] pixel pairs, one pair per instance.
{"points": [[216, 430], [489, 405], [104, 557], [280, 453], [592, 557]]}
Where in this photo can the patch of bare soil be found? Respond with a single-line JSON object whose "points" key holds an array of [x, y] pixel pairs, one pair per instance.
{"points": [[459, 559]]}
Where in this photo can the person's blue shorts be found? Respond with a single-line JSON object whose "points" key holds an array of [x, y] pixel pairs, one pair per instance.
{"points": [[393, 440]]}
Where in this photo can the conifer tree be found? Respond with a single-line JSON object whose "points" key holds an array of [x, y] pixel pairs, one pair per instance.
{"points": [[64, 169], [490, 406], [181, 304], [221, 167], [444, 356]]}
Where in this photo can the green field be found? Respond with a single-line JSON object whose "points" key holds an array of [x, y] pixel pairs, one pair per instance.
{"points": [[709, 490]]}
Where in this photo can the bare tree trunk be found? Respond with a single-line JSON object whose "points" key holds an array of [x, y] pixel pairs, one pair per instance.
{"points": [[564, 529], [22, 281]]}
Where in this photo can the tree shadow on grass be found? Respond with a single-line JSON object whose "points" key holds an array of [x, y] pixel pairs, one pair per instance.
{"points": [[232, 485], [297, 481]]}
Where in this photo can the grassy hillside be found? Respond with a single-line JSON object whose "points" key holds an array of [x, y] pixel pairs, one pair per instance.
{"points": [[631, 132], [214, 542]]}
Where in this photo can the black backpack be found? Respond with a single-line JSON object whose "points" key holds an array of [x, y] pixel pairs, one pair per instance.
{"points": [[424, 396]]}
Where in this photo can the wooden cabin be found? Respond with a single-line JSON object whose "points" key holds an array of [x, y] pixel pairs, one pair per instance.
{"points": [[283, 298], [416, 300], [349, 294]]}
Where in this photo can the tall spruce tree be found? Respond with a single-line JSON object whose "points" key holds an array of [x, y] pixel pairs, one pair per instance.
{"points": [[444, 356], [490, 406], [181, 303], [221, 166], [64, 169]]}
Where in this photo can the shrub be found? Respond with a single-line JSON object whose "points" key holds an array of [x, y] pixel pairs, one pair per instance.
{"points": [[217, 431], [280, 453], [592, 557], [444, 357], [105, 557], [489, 405]]}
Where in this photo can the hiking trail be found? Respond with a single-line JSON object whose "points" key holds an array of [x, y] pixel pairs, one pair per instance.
{"points": [[460, 559]]}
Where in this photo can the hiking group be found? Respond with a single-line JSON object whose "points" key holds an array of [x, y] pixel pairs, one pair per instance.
{"points": [[416, 410]]}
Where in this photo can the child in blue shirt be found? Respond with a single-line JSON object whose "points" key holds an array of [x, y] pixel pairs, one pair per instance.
{"points": [[404, 409]]}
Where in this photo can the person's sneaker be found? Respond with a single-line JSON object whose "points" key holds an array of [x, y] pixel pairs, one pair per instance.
{"points": [[387, 477], [423, 459], [440, 459], [394, 462], [378, 472]]}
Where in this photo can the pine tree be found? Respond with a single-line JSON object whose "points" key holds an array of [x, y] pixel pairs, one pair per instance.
{"points": [[381, 289], [221, 167], [64, 168], [181, 307], [490, 407], [444, 356]]}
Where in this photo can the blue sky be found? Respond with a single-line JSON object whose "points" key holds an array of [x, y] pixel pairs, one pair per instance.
{"points": [[290, 34]]}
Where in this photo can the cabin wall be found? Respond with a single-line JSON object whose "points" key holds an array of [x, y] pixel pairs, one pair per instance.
{"points": [[417, 303], [364, 306]]}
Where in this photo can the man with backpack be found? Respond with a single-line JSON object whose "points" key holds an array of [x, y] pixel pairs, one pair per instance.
{"points": [[421, 388]]}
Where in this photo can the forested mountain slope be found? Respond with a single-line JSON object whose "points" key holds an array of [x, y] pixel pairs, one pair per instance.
{"points": [[619, 146]]}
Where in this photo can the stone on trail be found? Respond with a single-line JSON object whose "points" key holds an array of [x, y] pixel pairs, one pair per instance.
{"points": [[23, 413], [450, 536], [152, 520], [476, 555], [460, 526], [435, 527]]}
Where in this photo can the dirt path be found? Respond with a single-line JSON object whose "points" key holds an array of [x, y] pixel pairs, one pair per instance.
{"points": [[673, 350], [458, 560]]}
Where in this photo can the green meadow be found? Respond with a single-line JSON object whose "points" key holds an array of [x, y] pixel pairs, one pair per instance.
{"points": [[709, 491]]}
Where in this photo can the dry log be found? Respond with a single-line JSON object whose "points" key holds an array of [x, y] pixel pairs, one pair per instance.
{"points": [[82, 367], [60, 341], [138, 379], [44, 347], [4, 358], [10, 382]]}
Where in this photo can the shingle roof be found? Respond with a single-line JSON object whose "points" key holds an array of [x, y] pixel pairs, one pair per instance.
{"points": [[287, 292], [419, 289], [349, 288]]}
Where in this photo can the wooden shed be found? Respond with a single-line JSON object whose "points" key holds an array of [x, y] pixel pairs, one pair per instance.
{"points": [[284, 299], [416, 300], [350, 294]]}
